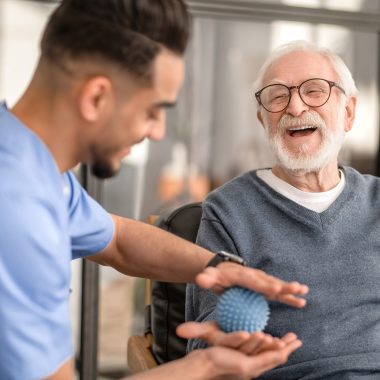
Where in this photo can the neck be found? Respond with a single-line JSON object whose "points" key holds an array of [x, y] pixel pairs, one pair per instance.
{"points": [[51, 121], [317, 181]]}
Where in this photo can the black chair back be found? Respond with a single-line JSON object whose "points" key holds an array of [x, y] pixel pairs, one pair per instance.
{"points": [[168, 299]]}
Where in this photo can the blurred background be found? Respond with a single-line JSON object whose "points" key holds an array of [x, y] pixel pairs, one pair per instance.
{"points": [[212, 134]]}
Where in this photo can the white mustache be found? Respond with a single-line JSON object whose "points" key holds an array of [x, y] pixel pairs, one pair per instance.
{"points": [[311, 118]]}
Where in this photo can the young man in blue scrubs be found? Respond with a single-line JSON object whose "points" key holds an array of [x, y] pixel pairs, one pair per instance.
{"points": [[107, 71]]}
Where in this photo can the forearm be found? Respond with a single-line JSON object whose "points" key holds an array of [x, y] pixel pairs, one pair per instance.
{"points": [[66, 371], [139, 249], [195, 366]]}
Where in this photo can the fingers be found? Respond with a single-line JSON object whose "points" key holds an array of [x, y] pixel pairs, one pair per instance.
{"points": [[233, 364], [209, 332], [229, 274], [260, 342], [257, 352], [289, 338], [270, 359], [288, 299], [292, 346], [194, 330], [232, 340], [249, 344]]}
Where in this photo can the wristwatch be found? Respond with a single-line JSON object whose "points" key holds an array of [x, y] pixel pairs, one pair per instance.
{"points": [[222, 256]]}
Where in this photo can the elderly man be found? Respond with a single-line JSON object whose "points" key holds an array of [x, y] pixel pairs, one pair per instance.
{"points": [[307, 218]]}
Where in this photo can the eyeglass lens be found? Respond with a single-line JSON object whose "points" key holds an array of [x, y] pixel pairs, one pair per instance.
{"points": [[313, 92]]}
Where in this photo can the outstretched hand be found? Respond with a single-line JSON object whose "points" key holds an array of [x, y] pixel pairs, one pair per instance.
{"points": [[227, 274], [247, 343], [244, 355]]}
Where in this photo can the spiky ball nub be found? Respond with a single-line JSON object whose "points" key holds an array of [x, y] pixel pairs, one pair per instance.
{"points": [[240, 309]]}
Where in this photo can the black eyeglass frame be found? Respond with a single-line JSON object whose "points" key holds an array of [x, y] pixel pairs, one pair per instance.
{"points": [[290, 88]]}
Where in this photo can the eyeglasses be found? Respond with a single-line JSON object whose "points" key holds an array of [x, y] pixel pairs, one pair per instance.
{"points": [[313, 92]]}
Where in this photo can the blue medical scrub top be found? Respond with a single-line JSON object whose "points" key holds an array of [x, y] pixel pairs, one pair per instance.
{"points": [[46, 220]]}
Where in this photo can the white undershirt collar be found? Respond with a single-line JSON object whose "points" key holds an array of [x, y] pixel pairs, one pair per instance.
{"points": [[317, 202]]}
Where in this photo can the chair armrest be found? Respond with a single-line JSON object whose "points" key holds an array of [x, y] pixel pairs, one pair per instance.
{"points": [[140, 356]]}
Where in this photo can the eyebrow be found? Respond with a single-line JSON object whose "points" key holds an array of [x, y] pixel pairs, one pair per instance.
{"points": [[277, 81], [164, 104]]}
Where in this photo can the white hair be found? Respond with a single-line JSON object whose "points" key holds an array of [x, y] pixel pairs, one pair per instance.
{"points": [[345, 78]]}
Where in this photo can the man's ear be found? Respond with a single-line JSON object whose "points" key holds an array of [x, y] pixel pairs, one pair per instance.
{"points": [[260, 118], [95, 97], [350, 109]]}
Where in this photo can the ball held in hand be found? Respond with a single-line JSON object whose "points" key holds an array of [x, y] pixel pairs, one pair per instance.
{"points": [[240, 309]]}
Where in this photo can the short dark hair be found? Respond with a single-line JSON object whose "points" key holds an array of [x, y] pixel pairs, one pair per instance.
{"points": [[128, 33]]}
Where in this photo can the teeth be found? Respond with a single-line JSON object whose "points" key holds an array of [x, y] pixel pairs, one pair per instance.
{"points": [[301, 128]]}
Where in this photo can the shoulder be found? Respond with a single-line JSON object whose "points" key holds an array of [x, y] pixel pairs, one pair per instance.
{"points": [[364, 188], [25, 161], [235, 186], [354, 178], [233, 197], [235, 190]]}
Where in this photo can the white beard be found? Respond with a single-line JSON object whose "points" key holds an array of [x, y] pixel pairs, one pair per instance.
{"points": [[303, 161]]}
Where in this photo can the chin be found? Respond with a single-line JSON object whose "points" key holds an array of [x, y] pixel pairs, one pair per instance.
{"points": [[302, 166], [104, 170], [304, 161]]}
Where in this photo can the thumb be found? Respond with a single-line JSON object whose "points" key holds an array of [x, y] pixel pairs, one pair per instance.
{"points": [[208, 278], [192, 330]]}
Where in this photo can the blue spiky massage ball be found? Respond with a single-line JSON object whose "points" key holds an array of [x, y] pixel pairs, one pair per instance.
{"points": [[240, 309]]}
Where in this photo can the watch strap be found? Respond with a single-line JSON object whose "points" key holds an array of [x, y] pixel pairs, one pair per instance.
{"points": [[223, 256]]}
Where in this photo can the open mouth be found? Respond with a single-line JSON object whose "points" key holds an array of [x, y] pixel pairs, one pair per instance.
{"points": [[301, 131]]}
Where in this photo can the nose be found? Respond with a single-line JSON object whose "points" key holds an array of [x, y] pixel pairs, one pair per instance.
{"points": [[296, 106], [158, 128]]}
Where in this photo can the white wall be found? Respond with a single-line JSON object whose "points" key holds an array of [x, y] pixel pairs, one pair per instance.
{"points": [[21, 25]]}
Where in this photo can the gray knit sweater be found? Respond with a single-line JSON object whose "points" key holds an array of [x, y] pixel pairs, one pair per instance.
{"points": [[336, 253]]}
